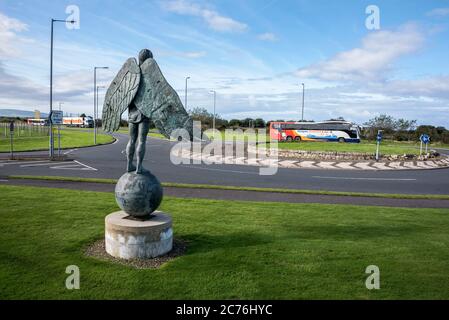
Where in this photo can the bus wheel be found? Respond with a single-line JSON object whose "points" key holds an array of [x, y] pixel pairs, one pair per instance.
{"points": [[341, 140], [289, 139], [298, 139]]}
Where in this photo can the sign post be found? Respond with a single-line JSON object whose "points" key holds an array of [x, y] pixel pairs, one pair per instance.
{"points": [[424, 138], [379, 139], [11, 133], [56, 118]]}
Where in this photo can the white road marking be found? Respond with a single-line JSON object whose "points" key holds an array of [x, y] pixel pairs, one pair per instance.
{"points": [[220, 170], [326, 165], [381, 166], [21, 162], [374, 179], [287, 164], [345, 165], [85, 165], [116, 140], [2, 180], [70, 151], [307, 164], [41, 164], [364, 166]]}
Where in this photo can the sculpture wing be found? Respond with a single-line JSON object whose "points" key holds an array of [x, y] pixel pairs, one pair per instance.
{"points": [[120, 94], [157, 100]]}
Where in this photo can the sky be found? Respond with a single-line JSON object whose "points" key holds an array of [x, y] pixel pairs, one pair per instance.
{"points": [[254, 53]]}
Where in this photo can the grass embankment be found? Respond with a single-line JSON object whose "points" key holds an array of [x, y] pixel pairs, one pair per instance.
{"points": [[69, 139], [386, 148], [257, 189], [236, 250]]}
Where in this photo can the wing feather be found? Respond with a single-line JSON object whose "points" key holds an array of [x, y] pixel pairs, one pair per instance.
{"points": [[120, 94]]}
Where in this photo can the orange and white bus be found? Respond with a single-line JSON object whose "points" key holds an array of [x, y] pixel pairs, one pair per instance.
{"points": [[338, 131]]}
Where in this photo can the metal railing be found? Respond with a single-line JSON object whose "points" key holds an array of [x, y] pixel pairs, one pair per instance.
{"points": [[23, 130]]}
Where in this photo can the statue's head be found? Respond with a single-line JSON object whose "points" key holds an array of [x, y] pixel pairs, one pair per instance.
{"points": [[144, 55]]}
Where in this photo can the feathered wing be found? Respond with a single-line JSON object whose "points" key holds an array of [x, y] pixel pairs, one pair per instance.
{"points": [[157, 100], [120, 94]]}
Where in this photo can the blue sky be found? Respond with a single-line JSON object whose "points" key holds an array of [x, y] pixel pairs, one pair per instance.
{"points": [[254, 53]]}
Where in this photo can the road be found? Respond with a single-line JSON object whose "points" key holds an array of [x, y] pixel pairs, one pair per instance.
{"points": [[109, 162]]}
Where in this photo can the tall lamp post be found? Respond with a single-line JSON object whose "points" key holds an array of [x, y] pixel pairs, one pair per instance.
{"points": [[215, 104], [95, 101], [51, 147], [303, 92], [185, 105]]}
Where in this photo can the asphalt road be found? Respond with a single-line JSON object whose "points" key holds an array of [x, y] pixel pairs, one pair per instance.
{"points": [[109, 161], [241, 195]]}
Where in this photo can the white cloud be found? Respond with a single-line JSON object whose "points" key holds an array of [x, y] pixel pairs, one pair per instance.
{"points": [[438, 12], [9, 27], [370, 61], [215, 20], [267, 36]]}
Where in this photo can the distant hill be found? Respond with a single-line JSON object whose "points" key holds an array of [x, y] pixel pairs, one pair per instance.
{"points": [[12, 113]]}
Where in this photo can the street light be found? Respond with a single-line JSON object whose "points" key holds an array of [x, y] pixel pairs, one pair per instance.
{"points": [[95, 100], [51, 147], [187, 78], [215, 104], [303, 91]]}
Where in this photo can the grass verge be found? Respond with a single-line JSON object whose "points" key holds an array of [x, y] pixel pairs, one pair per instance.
{"points": [[386, 148], [236, 250], [257, 189], [69, 139]]}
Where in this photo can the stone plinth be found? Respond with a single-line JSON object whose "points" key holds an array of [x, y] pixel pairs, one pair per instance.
{"points": [[130, 238]]}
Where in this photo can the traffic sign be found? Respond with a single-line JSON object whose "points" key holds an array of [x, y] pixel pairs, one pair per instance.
{"points": [[379, 137], [56, 117], [11, 126], [425, 138]]}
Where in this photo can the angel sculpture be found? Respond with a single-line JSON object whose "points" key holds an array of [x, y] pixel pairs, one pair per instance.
{"points": [[142, 89]]}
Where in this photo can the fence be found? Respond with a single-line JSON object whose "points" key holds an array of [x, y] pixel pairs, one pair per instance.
{"points": [[23, 130]]}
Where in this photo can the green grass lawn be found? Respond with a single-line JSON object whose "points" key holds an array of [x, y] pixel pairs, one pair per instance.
{"points": [[69, 139], [387, 147], [237, 250]]}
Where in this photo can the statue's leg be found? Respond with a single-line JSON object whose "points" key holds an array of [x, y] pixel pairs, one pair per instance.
{"points": [[144, 128], [131, 147]]}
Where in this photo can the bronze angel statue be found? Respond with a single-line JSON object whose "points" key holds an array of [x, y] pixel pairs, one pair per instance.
{"points": [[141, 88]]}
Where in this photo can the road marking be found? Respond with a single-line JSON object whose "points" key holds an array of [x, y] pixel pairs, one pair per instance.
{"points": [[374, 179], [381, 166], [21, 162], [326, 165], [345, 165], [364, 166], [3, 180], [70, 151], [220, 170], [85, 165], [40, 164], [116, 140]]}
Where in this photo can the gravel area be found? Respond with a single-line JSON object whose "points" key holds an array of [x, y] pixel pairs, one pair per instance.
{"points": [[97, 250]]}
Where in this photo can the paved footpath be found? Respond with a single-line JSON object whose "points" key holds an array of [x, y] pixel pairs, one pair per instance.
{"points": [[236, 195]]}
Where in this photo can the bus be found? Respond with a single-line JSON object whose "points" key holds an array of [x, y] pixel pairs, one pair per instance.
{"points": [[337, 131], [37, 122]]}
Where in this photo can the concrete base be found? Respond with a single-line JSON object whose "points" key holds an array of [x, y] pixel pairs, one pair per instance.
{"points": [[128, 238]]}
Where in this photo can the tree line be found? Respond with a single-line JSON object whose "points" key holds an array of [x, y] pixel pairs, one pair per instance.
{"points": [[402, 129]]}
